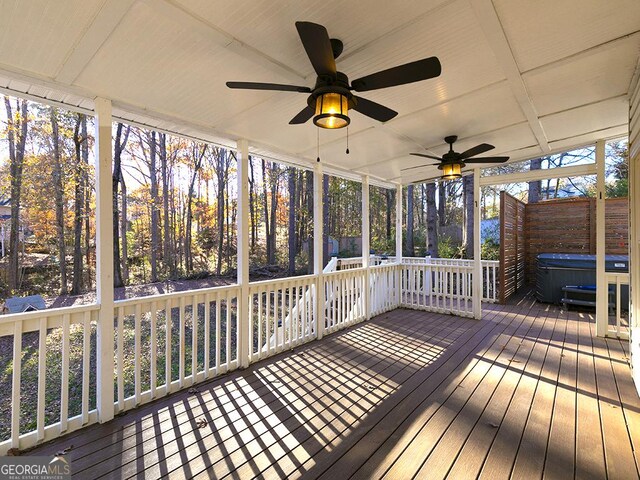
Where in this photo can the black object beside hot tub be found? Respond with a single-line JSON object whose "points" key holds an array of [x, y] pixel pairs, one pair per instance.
{"points": [[558, 270]]}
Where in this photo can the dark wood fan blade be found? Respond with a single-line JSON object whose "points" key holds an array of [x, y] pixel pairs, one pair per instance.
{"points": [[400, 75], [487, 160], [315, 40], [268, 86], [305, 114], [419, 166], [426, 156], [477, 150], [373, 109]]}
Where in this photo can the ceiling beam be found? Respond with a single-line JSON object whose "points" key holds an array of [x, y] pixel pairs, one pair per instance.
{"points": [[87, 45], [542, 174], [492, 28]]}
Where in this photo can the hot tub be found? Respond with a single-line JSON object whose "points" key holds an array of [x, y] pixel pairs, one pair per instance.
{"points": [[557, 270]]}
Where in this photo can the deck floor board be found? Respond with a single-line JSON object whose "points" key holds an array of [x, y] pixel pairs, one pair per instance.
{"points": [[528, 392]]}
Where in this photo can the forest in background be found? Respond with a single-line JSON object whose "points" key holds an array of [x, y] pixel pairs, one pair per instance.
{"points": [[175, 206]]}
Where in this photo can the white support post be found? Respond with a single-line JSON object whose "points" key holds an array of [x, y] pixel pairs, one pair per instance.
{"points": [[366, 246], [602, 296], [399, 244], [477, 262], [318, 249], [243, 253], [104, 261]]}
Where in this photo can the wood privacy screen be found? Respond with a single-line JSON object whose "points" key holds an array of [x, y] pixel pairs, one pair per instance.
{"points": [[569, 226], [512, 245]]}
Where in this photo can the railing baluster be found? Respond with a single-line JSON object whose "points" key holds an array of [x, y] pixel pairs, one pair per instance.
{"points": [[86, 358], [228, 333], [64, 387], [194, 339], [182, 353], [218, 332], [167, 359], [120, 367], [207, 334], [137, 319], [15, 384], [42, 376], [154, 349]]}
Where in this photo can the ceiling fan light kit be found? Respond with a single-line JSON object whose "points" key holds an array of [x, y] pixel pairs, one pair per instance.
{"points": [[451, 171], [332, 111]]}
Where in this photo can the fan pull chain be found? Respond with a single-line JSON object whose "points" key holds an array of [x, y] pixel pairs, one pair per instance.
{"points": [[318, 144], [347, 140]]}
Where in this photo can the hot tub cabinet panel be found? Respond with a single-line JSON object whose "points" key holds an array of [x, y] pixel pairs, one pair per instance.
{"points": [[558, 270]]}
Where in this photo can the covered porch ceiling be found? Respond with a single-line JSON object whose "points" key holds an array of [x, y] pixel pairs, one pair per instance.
{"points": [[531, 78]]}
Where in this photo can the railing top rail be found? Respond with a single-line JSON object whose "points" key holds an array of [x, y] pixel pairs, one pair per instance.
{"points": [[286, 280], [50, 312], [171, 295], [346, 273]]}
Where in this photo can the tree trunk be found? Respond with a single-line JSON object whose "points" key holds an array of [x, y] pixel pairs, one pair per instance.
{"points": [[17, 137], [124, 223], [221, 175], [252, 207], [198, 156], [310, 241], [535, 186], [87, 200], [155, 211], [410, 244], [58, 183], [78, 208], [292, 221], [468, 215], [442, 200], [168, 253], [389, 196], [119, 144], [432, 221], [325, 219], [275, 177]]}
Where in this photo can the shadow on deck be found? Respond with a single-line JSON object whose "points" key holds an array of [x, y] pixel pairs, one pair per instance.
{"points": [[526, 391]]}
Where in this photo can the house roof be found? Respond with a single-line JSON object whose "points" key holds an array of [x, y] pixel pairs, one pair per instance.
{"points": [[25, 304], [529, 77]]}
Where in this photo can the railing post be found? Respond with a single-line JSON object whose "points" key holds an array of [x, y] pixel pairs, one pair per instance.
{"points": [[602, 297], [243, 253], [318, 250], [477, 264], [366, 246], [399, 244], [104, 261]]}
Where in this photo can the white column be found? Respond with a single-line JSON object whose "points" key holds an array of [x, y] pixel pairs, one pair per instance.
{"points": [[104, 260], [318, 250], [477, 265], [602, 297], [243, 253], [366, 246], [399, 244]]}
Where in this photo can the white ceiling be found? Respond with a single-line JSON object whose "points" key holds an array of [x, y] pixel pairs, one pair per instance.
{"points": [[530, 77]]}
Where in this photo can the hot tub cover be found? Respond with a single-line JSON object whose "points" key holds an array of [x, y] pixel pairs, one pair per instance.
{"points": [[613, 263]]}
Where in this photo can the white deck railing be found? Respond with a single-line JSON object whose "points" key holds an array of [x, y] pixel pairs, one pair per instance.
{"points": [[167, 342], [282, 315], [438, 288], [43, 342], [620, 327]]}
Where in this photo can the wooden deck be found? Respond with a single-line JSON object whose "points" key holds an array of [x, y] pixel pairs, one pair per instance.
{"points": [[528, 392]]}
